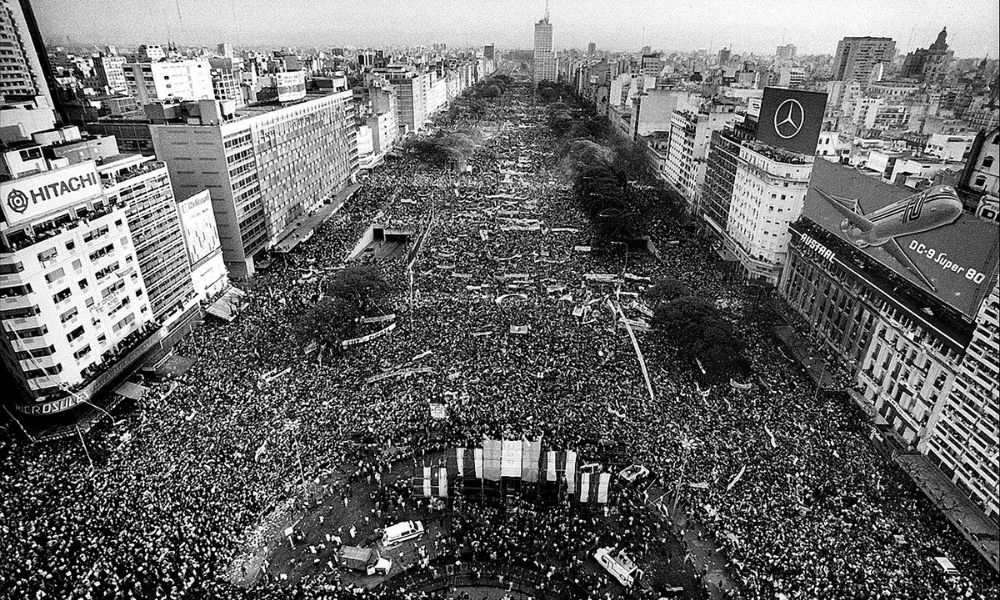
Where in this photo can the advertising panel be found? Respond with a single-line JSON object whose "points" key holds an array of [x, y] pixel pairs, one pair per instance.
{"points": [[28, 198], [925, 237], [291, 85], [791, 119], [198, 223]]}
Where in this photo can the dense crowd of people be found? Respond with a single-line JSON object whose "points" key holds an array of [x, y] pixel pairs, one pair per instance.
{"points": [[789, 484]]}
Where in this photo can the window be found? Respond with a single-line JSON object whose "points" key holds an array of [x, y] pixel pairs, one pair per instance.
{"points": [[980, 181], [76, 333], [987, 162]]}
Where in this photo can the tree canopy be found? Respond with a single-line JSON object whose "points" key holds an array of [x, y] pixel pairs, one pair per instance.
{"points": [[361, 285], [696, 328]]}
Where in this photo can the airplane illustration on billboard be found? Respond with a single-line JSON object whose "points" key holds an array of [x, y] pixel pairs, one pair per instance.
{"points": [[932, 208]]}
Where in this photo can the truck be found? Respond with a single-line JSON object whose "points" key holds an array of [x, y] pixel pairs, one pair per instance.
{"points": [[367, 560]]}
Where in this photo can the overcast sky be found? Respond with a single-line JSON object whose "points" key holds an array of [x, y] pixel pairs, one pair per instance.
{"points": [[755, 26]]}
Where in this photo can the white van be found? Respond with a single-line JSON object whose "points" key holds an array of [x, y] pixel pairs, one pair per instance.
{"points": [[402, 532], [620, 566]]}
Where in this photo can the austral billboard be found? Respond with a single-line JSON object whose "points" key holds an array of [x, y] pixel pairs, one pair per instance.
{"points": [[926, 237], [791, 119]]}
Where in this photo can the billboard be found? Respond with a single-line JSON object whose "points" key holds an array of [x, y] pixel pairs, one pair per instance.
{"points": [[925, 237], [291, 85], [198, 224], [28, 198], [791, 119]]}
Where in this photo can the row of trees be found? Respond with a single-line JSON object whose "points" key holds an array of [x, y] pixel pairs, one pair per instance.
{"points": [[344, 298], [451, 147], [601, 165], [697, 329], [594, 165], [474, 103]]}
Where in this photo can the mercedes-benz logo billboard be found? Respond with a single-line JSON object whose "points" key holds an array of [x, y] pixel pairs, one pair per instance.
{"points": [[788, 119]]}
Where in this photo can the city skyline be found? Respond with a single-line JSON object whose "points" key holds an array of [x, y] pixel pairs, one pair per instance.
{"points": [[973, 27]]}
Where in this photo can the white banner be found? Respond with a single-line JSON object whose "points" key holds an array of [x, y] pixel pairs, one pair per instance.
{"points": [[367, 338]]}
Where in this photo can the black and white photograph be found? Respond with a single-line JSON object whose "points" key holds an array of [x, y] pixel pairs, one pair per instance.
{"points": [[499, 300]]}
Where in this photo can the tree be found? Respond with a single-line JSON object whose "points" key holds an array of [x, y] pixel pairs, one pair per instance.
{"points": [[328, 322], [359, 284], [696, 328], [665, 290]]}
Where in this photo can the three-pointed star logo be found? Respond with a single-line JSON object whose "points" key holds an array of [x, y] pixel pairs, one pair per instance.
{"points": [[788, 119]]}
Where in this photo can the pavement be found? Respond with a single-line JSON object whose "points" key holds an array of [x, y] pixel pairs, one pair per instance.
{"points": [[980, 531]]}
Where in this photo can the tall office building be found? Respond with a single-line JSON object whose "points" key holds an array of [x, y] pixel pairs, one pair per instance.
{"points": [[786, 52], [690, 133], [142, 185], [963, 442], [260, 165], [411, 96], [73, 303], [857, 56], [489, 52], [769, 189], [544, 59], [24, 68], [724, 56]]}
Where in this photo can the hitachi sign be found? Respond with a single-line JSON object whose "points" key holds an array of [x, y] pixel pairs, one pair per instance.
{"points": [[54, 190], [26, 198]]}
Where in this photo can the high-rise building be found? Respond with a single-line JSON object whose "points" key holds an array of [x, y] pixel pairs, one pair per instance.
{"points": [[591, 48], [411, 97], [929, 65], [690, 133], [110, 72], [149, 82], [142, 185], [724, 55], [489, 52], [786, 52], [73, 303], [768, 193], [259, 164], [23, 60], [857, 56], [963, 441], [544, 58]]}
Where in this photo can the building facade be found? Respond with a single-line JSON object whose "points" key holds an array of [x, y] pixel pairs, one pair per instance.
{"points": [[142, 186], [963, 442], [857, 56], [769, 189], [544, 57], [21, 70], [260, 166], [73, 303], [149, 82]]}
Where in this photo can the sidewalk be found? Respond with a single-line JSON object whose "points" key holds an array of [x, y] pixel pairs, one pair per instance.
{"points": [[980, 531]]}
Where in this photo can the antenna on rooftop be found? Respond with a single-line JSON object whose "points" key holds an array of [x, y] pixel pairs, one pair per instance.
{"points": [[546, 10]]}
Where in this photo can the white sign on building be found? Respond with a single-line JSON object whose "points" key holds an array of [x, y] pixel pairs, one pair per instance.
{"points": [[25, 199]]}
